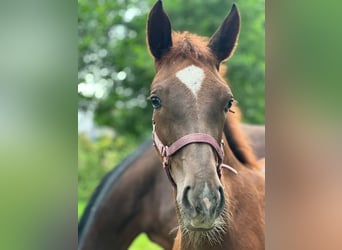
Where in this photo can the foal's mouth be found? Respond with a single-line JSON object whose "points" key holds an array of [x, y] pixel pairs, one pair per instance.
{"points": [[200, 229], [201, 224]]}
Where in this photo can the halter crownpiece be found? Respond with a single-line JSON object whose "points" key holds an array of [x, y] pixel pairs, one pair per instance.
{"points": [[166, 151]]}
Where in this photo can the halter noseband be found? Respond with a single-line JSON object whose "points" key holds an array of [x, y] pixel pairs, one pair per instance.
{"points": [[166, 151]]}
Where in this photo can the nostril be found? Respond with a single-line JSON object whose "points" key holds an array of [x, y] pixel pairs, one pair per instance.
{"points": [[185, 199], [221, 198], [220, 190]]}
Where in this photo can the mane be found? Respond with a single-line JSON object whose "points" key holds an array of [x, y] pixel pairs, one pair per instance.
{"points": [[238, 140], [191, 46], [103, 189]]}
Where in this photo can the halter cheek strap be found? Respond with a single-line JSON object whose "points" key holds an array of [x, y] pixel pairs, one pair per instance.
{"points": [[166, 151]]}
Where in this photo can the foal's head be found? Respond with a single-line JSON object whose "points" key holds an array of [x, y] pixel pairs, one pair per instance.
{"points": [[189, 96]]}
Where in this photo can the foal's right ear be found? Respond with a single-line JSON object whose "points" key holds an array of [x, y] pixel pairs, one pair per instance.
{"points": [[158, 31]]}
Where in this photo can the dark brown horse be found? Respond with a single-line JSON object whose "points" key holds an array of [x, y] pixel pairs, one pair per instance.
{"points": [[218, 192], [127, 202], [137, 185]]}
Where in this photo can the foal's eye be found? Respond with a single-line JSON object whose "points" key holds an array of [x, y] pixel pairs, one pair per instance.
{"points": [[229, 105], [156, 102]]}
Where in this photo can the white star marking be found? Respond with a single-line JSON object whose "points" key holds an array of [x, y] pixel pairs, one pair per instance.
{"points": [[192, 77]]}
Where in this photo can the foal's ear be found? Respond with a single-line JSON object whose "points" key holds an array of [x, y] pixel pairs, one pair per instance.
{"points": [[158, 31], [224, 40]]}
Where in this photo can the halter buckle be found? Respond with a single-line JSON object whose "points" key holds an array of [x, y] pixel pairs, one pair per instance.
{"points": [[165, 161]]}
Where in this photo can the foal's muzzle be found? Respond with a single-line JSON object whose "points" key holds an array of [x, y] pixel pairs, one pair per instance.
{"points": [[201, 206]]}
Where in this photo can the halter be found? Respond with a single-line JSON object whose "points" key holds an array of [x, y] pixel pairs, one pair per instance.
{"points": [[166, 151]]}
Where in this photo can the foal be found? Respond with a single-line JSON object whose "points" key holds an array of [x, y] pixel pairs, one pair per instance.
{"points": [[216, 209]]}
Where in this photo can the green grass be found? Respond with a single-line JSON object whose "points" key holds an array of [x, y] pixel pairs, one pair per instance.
{"points": [[141, 242], [80, 208]]}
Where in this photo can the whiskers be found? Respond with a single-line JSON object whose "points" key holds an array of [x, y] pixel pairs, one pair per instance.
{"points": [[174, 230]]}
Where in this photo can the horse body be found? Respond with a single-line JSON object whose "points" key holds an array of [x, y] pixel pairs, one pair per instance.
{"points": [[195, 138], [128, 202]]}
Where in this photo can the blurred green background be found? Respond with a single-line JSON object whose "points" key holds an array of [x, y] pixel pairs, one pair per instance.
{"points": [[115, 72], [39, 65]]}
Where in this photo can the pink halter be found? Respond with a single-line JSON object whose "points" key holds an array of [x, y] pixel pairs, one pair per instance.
{"points": [[166, 151]]}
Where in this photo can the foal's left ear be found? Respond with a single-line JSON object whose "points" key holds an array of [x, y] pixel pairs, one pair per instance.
{"points": [[224, 40], [158, 31]]}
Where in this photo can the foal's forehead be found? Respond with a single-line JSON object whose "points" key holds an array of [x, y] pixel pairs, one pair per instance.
{"points": [[191, 76]]}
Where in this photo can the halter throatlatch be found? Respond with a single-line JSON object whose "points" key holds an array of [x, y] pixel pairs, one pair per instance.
{"points": [[166, 151]]}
